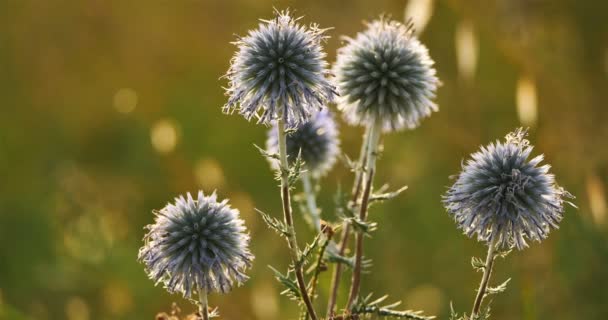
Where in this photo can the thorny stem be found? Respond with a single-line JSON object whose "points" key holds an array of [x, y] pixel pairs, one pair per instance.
{"points": [[203, 309], [487, 271], [311, 201], [319, 264], [337, 275], [368, 178], [291, 240]]}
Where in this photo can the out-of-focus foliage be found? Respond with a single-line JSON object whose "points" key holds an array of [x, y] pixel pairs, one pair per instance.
{"points": [[109, 109]]}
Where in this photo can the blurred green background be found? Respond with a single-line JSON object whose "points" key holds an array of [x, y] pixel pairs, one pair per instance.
{"points": [[109, 109]]}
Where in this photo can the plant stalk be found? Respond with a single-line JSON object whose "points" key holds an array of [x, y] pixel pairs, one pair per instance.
{"points": [[203, 308], [291, 240], [487, 271], [368, 174], [311, 200], [337, 274]]}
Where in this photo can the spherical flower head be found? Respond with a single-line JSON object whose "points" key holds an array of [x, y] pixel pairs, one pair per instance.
{"points": [[196, 244], [316, 141], [501, 194], [385, 74], [279, 71]]}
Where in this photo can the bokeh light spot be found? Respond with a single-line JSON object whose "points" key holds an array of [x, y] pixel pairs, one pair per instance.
{"points": [[77, 309], [246, 206], [125, 100], [526, 101], [597, 198], [264, 301], [467, 50], [117, 298], [209, 174], [164, 136], [420, 12]]}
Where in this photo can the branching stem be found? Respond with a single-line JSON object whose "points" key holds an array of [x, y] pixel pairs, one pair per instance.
{"points": [[368, 178], [485, 279], [291, 240], [337, 274]]}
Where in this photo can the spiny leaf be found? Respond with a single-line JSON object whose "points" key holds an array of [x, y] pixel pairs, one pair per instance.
{"points": [[478, 264], [498, 289], [502, 253], [387, 195], [484, 313], [366, 227], [308, 249], [365, 306], [353, 166], [295, 171], [453, 314], [279, 227], [291, 287], [266, 154]]}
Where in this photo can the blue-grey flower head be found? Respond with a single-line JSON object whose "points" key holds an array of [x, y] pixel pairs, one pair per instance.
{"points": [[385, 74], [317, 140], [279, 71], [502, 193], [196, 243]]}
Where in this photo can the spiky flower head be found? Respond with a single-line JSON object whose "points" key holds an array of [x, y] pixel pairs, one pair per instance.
{"points": [[316, 141], [502, 195], [279, 71], [196, 244], [385, 74]]}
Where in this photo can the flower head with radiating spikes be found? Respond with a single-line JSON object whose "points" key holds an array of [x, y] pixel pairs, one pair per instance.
{"points": [[279, 71], [502, 194], [385, 74], [196, 244], [316, 141]]}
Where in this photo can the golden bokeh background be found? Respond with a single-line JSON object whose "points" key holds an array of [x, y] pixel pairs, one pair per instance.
{"points": [[109, 109]]}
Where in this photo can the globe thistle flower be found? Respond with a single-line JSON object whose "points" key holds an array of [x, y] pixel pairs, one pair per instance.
{"points": [[316, 141], [385, 74], [196, 244], [502, 195], [279, 71]]}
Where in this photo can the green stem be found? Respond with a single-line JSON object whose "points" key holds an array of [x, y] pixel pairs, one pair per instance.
{"points": [[485, 279], [287, 215], [368, 174], [337, 275], [203, 309], [311, 200]]}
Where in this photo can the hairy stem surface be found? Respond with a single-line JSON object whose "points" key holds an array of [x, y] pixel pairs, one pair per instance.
{"points": [[311, 200], [292, 240], [485, 279], [203, 309], [337, 275], [368, 178]]}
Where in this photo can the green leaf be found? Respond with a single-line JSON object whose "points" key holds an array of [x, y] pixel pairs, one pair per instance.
{"points": [[295, 171], [308, 249], [387, 195], [366, 227], [334, 257], [291, 287], [266, 154], [279, 227], [366, 307], [498, 289], [478, 264]]}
